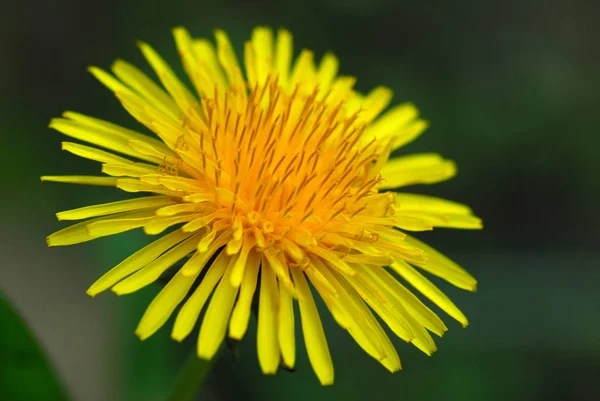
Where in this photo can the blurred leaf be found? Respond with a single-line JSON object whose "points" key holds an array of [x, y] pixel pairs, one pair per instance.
{"points": [[25, 373]]}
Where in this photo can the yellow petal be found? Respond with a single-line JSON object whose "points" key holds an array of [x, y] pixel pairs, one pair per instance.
{"points": [[136, 261], [409, 301], [151, 272], [199, 222], [377, 335], [178, 91], [267, 345], [191, 269], [74, 234], [286, 333], [409, 133], [216, 318], [82, 179], [114, 207], [328, 68], [88, 152], [426, 168], [303, 70], [178, 208], [283, 55], [188, 314], [392, 124], [443, 266], [229, 61], [143, 85], [238, 263], [130, 170], [134, 185], [116, 224], [241, 312], [279, 265], [427, 288], [206, 54], [80, 232], [116, 130], [332, 259], [262, 43], [163, 305], [375, 102], [381, 303], [314, 337], [429, 203], [109, 81], [359, 325], [98, 136], [419, 336]]}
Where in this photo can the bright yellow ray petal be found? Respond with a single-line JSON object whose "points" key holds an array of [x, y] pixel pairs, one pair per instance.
{"points": [[205, 52], [151, 272], [286, 328], [382, 305], [426, 168], [314, 337], [116, 224], [328, 68], [133, 185], [229, 61], [390, 360], [409, 133], [427, 288], [109, 81], [266, 341], [359, 326], [303, 71], [420, 337], [88, 152], [130, 170], [392, 124], [81, 232], [172, 210], [413, 305], [178, 91], [375, 102], [143, 85], [98, 137], [159, 224], [429, 203], [188, 314], [116, 130], [163, 305], [136, 261], [214, 325], [239, 262], [241, 312], [82, 180], [443, 266], [114, 207], [280, 267], [283, 56], [262, 43], [194, 66]]}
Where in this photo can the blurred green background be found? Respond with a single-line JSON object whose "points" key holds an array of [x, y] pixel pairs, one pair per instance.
{"points": [[512, 91]]}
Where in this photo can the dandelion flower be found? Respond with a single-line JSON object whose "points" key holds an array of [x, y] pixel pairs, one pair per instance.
{"points": [[258, 184]]}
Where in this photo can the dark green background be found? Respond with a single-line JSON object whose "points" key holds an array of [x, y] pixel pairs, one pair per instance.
{"points": [[512, 91]]}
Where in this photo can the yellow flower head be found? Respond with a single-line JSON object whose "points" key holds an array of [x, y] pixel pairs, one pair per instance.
{"points": [[267, 181]]}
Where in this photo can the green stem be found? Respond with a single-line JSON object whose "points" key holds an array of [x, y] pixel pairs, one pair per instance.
{"points": [[191, 377]]}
